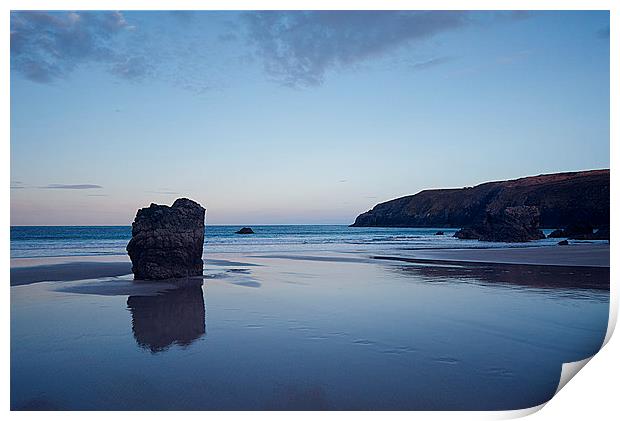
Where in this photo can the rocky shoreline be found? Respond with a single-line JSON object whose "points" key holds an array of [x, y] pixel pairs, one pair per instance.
{"points": [[507, 211]]}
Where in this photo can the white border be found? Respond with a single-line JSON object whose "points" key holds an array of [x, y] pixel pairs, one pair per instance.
{"points": [[593, 394]]}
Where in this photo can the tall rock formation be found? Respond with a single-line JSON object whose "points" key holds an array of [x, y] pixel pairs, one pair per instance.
{"points": [[166, 241]]}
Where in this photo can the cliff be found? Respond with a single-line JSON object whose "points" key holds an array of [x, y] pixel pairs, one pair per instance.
{"points": [[562, 199]]}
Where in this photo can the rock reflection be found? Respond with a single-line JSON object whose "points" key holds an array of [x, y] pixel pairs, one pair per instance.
{"points": [[531, 276], [174, 316]]}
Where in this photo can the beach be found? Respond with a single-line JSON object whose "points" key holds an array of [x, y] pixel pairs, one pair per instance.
{"points": [[306, 209], [592, 255], [70, 268], [288, 328]]}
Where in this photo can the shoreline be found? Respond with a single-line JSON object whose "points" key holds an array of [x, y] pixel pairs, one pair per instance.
{"points": [[578, 255], [81, 268]]}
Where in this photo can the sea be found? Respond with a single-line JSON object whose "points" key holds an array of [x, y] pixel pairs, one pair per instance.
{"points": [[298, 317], [63, 241]]}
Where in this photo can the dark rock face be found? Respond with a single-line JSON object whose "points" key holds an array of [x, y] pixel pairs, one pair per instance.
{"points": [[582, 231], [166, 241], [469, 233], [512, 224], [601, 234], [562, 199], [245, 230]]}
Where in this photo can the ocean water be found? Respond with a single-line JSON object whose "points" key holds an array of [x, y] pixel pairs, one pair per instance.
{"points": [[59, 241]]}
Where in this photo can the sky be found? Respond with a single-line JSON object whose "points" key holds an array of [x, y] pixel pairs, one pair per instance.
{"points": [[294, 117]]}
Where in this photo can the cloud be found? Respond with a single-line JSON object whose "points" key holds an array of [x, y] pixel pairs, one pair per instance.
{"points": [[603, 33], [423, 65], [73, 186], [298, 48], [132, 68], [46, 46]]}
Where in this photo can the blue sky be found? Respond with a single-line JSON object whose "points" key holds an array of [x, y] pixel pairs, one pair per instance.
{"points": [[294, 117]]}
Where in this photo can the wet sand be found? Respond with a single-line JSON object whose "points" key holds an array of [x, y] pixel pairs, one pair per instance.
{"points": [[72, 269], [313, 330], [76, 268], [591, 255]]}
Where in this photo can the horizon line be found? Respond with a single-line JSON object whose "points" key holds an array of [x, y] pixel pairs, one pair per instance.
{"points": [[206, 225]]}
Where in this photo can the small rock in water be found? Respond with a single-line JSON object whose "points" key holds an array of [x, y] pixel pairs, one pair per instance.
{"points": [[245, 230], [166, 241], [439, 233], [563, 243]]}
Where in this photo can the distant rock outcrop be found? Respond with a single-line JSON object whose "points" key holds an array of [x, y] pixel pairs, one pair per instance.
{"points": [[439, 233], [562, 199], [245, 230], [166, 241], [581, 232], [557, 234], [601, 234], [512, 225]]}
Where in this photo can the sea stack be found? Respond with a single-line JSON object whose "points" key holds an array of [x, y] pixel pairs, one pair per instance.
{"points": [[166, 241]]}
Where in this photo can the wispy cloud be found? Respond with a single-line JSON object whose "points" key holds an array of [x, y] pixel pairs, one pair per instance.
{"points": [[73, 186], [437, 61], [46, 46], [132, 68], [298, 48]]}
